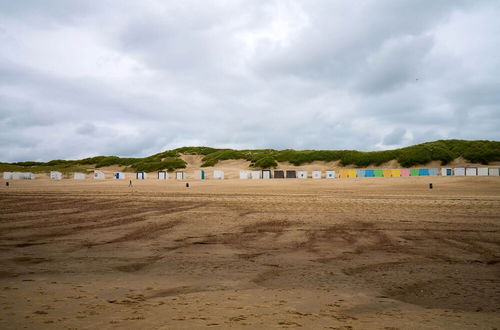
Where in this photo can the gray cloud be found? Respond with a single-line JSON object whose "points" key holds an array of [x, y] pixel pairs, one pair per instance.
{"points": [[395, 137], [86, 129], [130, 78]]}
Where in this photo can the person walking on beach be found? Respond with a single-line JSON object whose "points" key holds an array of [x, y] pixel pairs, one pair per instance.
{"points": [[130, 183]]}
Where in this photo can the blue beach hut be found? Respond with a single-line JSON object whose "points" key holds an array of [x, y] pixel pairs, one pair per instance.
{"points": [[369, 173], [423, 172]]}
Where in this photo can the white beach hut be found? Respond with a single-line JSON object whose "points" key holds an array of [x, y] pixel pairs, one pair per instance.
{"points": [[316, 174], [218, 175], [7, 175], [256, 175], [330, 174], [22, 176], [302, 174], [162, 175], [266, 174], [446, 171], [78, 176], [471, 171], [119, 175], [459, 171], [55, 175], [494, 171], [180, 175], [17, 176], [482, 171], [141, 175], [199, 175], [99, 175], [244, 175]]}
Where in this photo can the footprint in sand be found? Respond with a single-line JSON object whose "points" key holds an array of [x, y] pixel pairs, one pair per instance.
{"points": [[287, 324]]}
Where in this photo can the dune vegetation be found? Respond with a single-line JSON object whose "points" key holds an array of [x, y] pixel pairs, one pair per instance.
{"points": [[445, 151]]}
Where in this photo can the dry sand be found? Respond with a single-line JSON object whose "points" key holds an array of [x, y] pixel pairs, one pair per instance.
{"points": [[372, 253]]}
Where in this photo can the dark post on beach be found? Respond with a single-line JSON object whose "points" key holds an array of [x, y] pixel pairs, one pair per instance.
{"points": [[187, 185]]}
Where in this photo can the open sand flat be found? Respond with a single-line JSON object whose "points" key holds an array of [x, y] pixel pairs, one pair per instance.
{"points": [[381, 253]]}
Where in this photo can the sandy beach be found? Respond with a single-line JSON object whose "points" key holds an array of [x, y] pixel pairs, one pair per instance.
{"points": [[381, 253]]}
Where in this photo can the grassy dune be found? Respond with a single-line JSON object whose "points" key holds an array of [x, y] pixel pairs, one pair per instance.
{"points": [[479, 151]]}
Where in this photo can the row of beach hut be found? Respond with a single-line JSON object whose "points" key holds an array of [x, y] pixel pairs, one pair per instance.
{"points": [[371, 173], [282, 174], [99, 175], [18, 176]]}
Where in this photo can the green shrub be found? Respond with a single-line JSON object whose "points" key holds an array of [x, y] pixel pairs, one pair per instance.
{"points": [[169, 164], [107, 161], [265, 162], [59, 162], [90, 161], [113, 160], [65, 168], [223, 154], [161, 155], [413, 157], [195, 150], [28, 163]]}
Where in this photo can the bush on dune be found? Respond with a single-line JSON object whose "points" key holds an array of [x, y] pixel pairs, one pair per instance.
{"points": [[170, 164], [445, 151]]}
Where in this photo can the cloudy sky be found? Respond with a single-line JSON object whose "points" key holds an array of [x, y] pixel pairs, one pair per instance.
{"points": [[132, 78]]}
